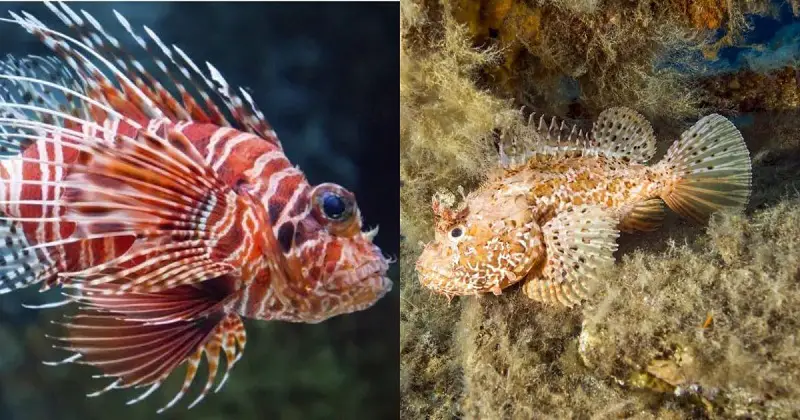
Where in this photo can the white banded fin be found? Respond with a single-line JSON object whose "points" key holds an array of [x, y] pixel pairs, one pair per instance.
{"points": [[580, 244], [707, 170], [19, 266], [624, 133]]}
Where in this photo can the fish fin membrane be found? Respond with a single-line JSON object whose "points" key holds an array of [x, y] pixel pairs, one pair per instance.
{"points": [[620, 133], [135, 353], [159, 190], [21, 90], [21, 267], [525, 141], [708, 169], [579, 244], [644, 216], [623, 133]]}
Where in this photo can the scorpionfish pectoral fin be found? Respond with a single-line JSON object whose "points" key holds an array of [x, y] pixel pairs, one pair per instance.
{"points": [[579, 244]]}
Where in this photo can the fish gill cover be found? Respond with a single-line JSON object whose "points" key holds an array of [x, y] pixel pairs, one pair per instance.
{"points": [[693, 321], [296, 61]]}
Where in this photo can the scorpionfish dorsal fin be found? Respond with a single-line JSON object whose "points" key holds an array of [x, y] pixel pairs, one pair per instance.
{"points": [[623, 133], [620, 133], [132, 94]]}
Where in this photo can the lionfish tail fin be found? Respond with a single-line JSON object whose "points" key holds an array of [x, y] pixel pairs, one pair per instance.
{"points": [[141, 346], [707, 170]]}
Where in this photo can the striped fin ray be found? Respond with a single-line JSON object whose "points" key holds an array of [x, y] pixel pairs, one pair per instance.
{"points": [[136, 105], [144, 96], [160, 191], [22, 91], [19, 266], [142, 355], [98, 39]]}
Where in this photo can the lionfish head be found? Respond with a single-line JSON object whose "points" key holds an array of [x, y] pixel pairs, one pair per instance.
{"points": [[341, 269]]}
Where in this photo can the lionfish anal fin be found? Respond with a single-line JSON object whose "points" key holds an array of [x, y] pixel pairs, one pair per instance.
{"points": [[139, 339]]}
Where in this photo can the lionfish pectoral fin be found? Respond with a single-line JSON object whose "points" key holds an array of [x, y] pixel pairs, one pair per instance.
{"points": [[160, 191], [623, 133], [579, 244], [135, 352], [644, 216], [707, 170]]}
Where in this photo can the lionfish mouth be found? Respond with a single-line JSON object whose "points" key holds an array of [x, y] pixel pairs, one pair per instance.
{"points": [[374, 272]]}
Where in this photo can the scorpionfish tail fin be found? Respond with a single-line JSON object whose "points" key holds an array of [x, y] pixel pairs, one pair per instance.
{"points": [[707, 170]]}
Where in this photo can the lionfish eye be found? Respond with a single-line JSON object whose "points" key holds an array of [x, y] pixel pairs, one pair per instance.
{"points": [[456, 233], [333, 205]]}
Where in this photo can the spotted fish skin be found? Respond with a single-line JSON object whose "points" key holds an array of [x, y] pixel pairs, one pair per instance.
{"points": [[550, 215], [167, 219]]}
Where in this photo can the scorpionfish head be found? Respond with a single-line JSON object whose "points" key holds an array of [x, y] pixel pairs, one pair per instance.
{"points": [[484, 245], [335, 267]]}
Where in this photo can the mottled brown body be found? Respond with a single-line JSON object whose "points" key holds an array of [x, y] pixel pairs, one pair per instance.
{"points": [[551, 184], [550, 215]]}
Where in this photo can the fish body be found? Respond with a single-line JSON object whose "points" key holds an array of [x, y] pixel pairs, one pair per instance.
{"points": [[166, 219], [550, 215]]}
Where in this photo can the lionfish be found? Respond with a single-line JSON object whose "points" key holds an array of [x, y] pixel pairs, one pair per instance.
{"points": [[551, 215], [167, 218]]}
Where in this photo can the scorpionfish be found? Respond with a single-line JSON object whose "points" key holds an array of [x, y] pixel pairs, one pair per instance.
{"points": [[166, 212], [550, 216]]}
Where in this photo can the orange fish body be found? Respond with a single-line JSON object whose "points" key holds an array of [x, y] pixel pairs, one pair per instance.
{"points": [[165, 220], [550, 216]]}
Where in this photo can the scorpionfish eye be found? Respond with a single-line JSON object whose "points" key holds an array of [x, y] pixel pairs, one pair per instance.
{"points": [[456, 232]]}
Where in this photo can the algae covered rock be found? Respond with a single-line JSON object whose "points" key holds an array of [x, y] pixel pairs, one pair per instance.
{"points": [[694, 321]]}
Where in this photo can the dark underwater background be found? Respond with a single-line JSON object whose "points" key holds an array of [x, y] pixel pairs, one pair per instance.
{"points": [[325, 76]]}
